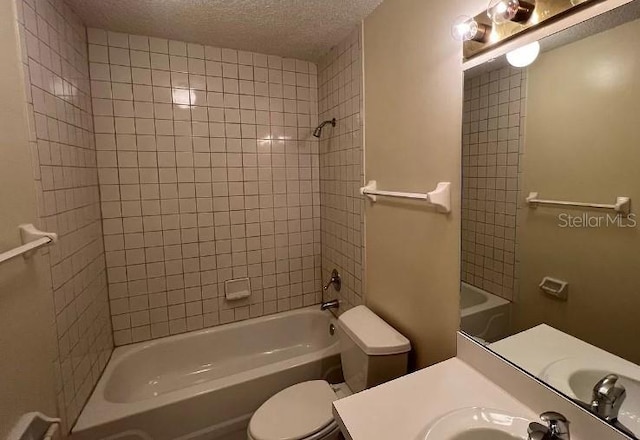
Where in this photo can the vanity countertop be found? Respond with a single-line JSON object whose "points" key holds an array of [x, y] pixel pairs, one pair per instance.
{"points": [[401, 409], [536, 348]]}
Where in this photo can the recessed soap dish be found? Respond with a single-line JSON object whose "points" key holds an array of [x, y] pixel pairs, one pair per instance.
{"points": [[557, 288], [239, 288]]}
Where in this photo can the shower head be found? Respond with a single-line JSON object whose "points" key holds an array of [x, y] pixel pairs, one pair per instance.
{"points": [[318, 131]]}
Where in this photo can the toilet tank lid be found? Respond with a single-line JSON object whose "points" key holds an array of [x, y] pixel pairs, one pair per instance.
{"points": [[372, 334]]}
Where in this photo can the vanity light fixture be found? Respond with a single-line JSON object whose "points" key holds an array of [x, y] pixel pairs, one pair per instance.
{"points": [[502, 11], [466, 28], [504, 20], [525, 55]]}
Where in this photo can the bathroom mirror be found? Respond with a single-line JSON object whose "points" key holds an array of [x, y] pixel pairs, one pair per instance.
{"points": [[551, 192]]}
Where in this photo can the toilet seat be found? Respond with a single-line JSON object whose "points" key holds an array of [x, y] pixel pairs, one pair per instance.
{"points": [[330, 432], [302, 411]]}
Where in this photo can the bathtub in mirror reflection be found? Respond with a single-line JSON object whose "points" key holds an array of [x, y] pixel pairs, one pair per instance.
{"points": [[566, 128], [484, 315]]}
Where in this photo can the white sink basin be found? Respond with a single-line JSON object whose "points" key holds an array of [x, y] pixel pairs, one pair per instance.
{"points": [[476, 424], [576, 378]]}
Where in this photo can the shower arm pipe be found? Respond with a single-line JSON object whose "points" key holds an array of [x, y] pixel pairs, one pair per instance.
{"points": [[329, 121], [440, 197], [318, 130]]}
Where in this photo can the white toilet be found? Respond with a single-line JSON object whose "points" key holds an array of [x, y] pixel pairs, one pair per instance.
{"points": [[371, 351]]}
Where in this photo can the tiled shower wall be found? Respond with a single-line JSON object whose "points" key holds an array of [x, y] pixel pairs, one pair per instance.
{"points": [[493, 136], [208, 172], [54, 54], [342, 169]]}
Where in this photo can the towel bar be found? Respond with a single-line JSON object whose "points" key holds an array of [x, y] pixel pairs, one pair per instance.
{"points": [[439, 197], [32, 239]]}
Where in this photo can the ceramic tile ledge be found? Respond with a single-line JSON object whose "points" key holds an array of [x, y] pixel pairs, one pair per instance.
{"points": [[401, 409]]}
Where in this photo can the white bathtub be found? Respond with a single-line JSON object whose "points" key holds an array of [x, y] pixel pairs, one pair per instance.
{"points": [[483, 315], [207, 384]]}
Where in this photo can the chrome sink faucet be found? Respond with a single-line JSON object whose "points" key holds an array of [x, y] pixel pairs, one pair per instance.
{"points": [[607, 397], [557, 427]]}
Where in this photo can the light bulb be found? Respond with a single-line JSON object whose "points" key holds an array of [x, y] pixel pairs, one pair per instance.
{"points": [[502, 11], [502, 7], [466, 28], [525, 55]]}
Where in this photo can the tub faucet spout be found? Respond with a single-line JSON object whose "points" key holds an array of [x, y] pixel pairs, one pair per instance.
{"points": [[333, 304]]}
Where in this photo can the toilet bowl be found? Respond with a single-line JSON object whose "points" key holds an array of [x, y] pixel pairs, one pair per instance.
{"points": [[302, 411], [371, 351]]}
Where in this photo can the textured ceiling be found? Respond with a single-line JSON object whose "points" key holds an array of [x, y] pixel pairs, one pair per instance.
{"points": [[303, 29]]}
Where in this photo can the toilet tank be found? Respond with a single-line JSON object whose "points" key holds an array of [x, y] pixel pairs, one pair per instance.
{"points": [[372, 352]]}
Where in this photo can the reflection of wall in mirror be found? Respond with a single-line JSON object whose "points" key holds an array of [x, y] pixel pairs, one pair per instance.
{"points": [[493, 114], [582, 144]]}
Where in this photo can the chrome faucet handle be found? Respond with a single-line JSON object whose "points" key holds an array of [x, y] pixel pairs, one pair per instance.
{"points": [[335, 280], [557, 424], [607, 397], [537, 431], [557, 427]]}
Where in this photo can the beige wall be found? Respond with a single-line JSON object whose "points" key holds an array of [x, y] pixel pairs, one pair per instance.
{"points": [[582, 144], [27, 342], [413, 114]]}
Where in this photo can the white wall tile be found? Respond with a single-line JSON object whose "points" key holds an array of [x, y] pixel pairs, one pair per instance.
{"points": [[182, 191], [341, 159], [60, 102], [490, 154]]}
